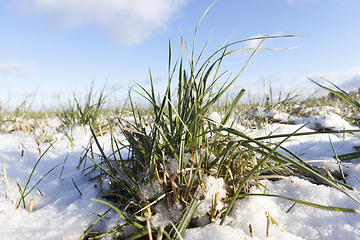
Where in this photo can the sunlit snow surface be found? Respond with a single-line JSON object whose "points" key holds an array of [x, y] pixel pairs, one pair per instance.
{"points": [[63, 212]]}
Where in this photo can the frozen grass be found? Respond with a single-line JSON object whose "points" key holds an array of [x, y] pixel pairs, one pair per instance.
{"points": [[187, 160], [166, 181], [180, 151]]}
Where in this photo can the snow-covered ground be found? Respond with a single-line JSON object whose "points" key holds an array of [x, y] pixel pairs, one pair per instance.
{"points": [[60, 211]]}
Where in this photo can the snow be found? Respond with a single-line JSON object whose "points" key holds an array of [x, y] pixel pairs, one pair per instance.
{"points": [[151, 189], [213, 186], [163, 216], [61, 211], [302, 222]]}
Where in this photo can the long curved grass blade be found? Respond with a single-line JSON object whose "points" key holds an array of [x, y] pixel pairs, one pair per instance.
{"points": [[193, 49], [99, 218], [348, 156], [337, 209], [221, 92], [341, 93], [307, 133], [123, 215]]}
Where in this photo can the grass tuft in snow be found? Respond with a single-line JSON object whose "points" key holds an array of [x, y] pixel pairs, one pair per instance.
{"points": [[88, 111], [194, 153], [185, 163]]}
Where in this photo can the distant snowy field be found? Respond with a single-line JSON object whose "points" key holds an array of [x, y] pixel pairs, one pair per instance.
{"points": [[60, 211]]}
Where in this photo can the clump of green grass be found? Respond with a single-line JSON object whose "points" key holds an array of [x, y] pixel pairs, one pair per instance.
{"points": [[179, 129], [93, 110]]}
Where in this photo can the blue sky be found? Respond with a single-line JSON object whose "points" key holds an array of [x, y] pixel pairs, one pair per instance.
{"points": [[55, 47]]}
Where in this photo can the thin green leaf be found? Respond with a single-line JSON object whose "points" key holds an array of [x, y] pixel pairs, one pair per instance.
{"points": [[123, 215], [75, 185], [337, 209], [187, 216]]}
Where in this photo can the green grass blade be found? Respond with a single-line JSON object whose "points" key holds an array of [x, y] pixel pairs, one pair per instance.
{"points": [[348, 156], [123, 215], [75, 185], [231, 108], [28, 192], [342, 94], [337, 209], [338, 161], [306, 134], [187, 216], [110, 174]]}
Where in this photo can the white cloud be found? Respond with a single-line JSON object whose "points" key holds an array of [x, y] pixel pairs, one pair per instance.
{"points": [[16, 68], [126, 22]]}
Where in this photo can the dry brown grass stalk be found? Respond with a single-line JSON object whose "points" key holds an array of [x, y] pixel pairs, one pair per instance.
{"points": [[16, 204], [41, 127], [173, 186], [152, 203], [83, 129], [148, 225], [22, 149], [38, 142], [326, 170], [6, 182], [268, 221], [216, 203], [160, 234], [31, 205], [251, 231]]}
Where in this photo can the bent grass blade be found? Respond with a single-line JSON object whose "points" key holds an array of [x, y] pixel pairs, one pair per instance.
{"points": [[319, 206]]}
